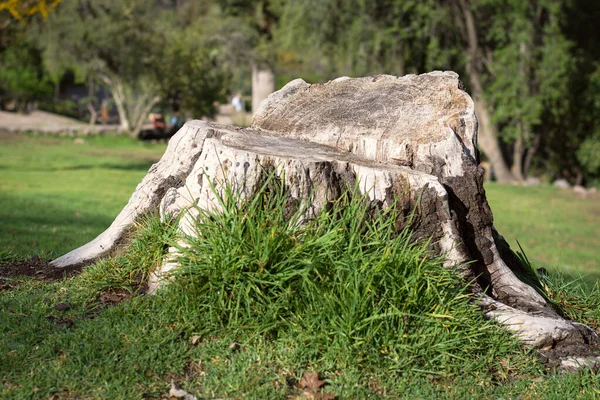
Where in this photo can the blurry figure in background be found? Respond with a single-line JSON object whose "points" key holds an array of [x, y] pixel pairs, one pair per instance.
{"points": [[158, 128], [237, 102], [176, 122], [158, 121], [104, 112]]}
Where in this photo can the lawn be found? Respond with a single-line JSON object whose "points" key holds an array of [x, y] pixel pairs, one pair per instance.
{"points": [[256, 312], [558, 229], [59, 193]]}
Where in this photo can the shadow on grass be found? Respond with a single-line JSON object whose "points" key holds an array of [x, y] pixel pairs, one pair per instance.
{"points": [[130, 166], [126, 166], [45, 226]]}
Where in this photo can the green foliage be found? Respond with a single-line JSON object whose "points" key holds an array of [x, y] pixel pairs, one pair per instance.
{"points": [[532, 62], [359, 38], [147, 245], [588, 155], [192, 73], [576, 297], [89, 37], [22, 79], [144, 54]]}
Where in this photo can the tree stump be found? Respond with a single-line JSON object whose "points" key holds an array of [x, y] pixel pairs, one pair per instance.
{"points": [[409, 142]]}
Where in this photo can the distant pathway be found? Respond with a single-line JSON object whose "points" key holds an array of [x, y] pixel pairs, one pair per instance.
{"points": [[41, 121]]}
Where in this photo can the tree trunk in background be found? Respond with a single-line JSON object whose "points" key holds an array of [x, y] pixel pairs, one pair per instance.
{"points": [[143, 107], [90, 101], [93, 113], [488, 140], [518, 152], [117, 90], [488, 134], [530, 153], [263, 84]]}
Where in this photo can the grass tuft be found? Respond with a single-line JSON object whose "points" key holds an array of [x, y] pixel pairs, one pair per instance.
{"points": [[346, 285]]}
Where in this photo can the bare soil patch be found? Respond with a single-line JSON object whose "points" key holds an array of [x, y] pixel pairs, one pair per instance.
{"points": [[34, 267]]}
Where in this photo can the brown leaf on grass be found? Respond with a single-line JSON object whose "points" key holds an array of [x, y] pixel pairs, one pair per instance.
{"points": [[111, 298], [310, 380], [62, 306], [60, 321], [234, 346], [195, 340], [312, 384]]}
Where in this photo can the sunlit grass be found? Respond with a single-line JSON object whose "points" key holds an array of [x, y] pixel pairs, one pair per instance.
{"points": [[58, 193], [558, 230]]}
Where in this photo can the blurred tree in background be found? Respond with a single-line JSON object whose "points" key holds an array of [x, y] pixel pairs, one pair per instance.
{"points": [[22, 77], [532, 67], [142, 53]]}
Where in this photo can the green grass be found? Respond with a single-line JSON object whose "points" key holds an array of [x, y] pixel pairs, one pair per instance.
{"points": [[258, 302], [56, 194], [557, 229]]}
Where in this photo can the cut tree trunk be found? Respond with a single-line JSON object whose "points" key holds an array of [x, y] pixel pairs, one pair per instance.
{"points": [[408, 142]]}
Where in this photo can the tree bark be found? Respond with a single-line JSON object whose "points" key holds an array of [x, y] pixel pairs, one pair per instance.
{"points": [[142, 109], [93, 113]]}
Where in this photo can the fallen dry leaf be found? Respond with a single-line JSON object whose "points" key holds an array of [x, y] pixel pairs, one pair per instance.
{"points": [[62, 306], [114, 297], [233, 346], [177, 392], [310, 380], [60, 321], [195, 340]]}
